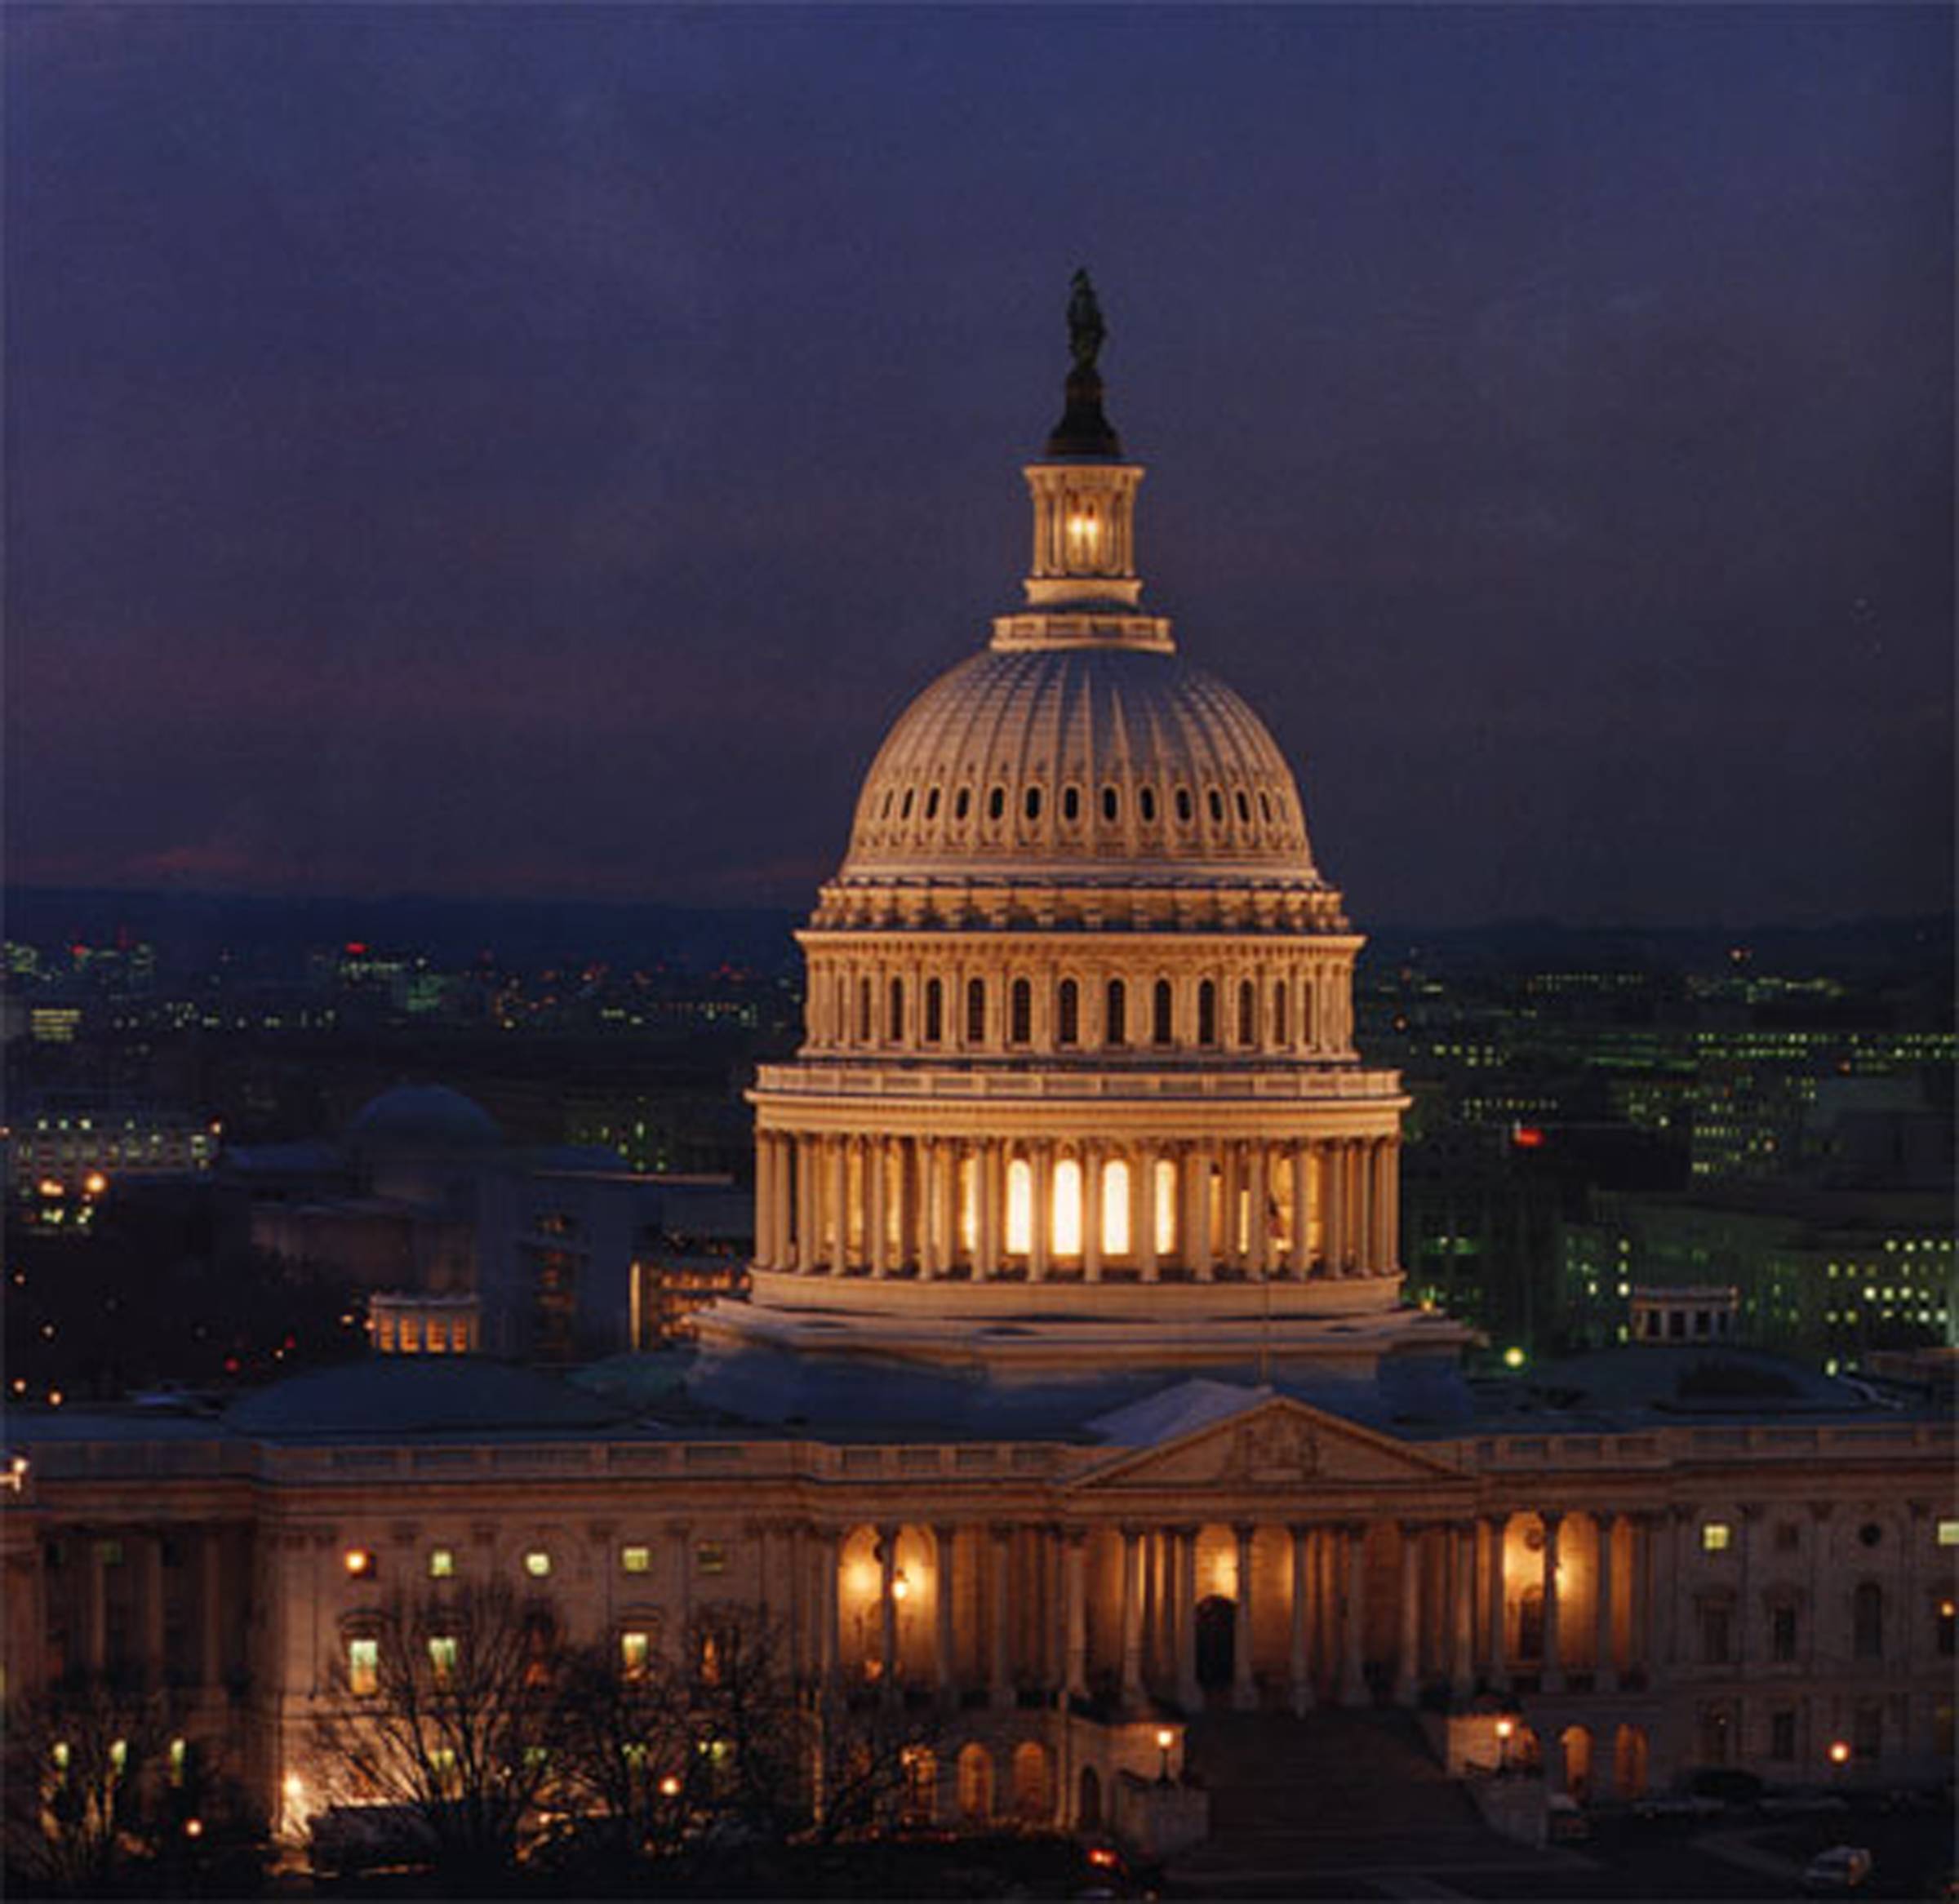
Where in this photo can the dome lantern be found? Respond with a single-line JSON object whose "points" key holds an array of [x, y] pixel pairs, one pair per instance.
{"points": [[1084, 494]]}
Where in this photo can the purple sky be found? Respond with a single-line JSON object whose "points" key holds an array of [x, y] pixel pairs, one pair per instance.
{"points": [[537, 450]]}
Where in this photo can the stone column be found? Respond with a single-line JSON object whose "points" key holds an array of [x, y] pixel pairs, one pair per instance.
{"points": [[806, 1207], [876, 1248], [992, 1196], [1300, 1259], [1391, 1204], [1353, 1679], [1244, 1687], [1605, 1671], [1202, 1253], [1259, 1258], [1407, 1675], [1091, 1212], [1074, 1579], [1132, 1619], [1299, 1665], [1500, 1671], [1554, 1664], [945, 1654], [1143, 1210], [1190, 1695], [1041, 1254], [1462, 1606], [1334, 1155], [826, 1611], [931, 1253], [999, 1682]]}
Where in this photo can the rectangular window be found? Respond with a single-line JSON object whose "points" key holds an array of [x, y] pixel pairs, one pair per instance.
{"points": [[1949, 1533], [442, 1656], [363, 1667], [537, 1564], [1782, 1633], [441, 1563], [635, 1649], [1715, 1536], [635, 1560], [710, 1556]]}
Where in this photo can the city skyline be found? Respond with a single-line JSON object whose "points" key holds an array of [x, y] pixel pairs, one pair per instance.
{"points": [[431, 432]]}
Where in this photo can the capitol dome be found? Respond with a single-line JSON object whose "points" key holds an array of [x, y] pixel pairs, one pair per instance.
{"points": [[1099, 761]]}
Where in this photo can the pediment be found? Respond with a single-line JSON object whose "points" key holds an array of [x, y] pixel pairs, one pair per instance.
{"points": [[1277, 1442]]}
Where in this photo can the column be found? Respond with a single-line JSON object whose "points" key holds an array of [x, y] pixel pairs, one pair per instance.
{"points": [[1189, 1694], [1042, 1255], [1132, 1619], [1143, 1210], [924, 1213], [1554, 1664], [1391, 1204], [840, 1209], [1244, 1687], [1229, 1242], [877, 1249], [806, 1205], [1354, 1688], [827, 1609], [1202, 1259], [1091, 1212], [1604, 1670], [1298, 1258], [211, 1607], [1462, 1606], [993, 1194], [944, 1656], [1299, 1664], [1407, 1662], [1500, 1671], [1334, 1162], [1074, 1580], [999, 1691], [1259, 1261]]}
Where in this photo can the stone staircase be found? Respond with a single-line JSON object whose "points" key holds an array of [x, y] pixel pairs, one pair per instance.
{"points": [[1295, 1802]]}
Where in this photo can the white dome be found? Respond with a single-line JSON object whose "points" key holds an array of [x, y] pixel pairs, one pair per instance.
{"points": [[1089, 762]]}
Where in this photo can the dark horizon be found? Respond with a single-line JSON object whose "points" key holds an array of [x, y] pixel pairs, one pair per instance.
{"points": [[539, 452]]}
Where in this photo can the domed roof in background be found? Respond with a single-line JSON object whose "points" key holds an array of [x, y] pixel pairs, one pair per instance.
{"points": [[417, 1119], [1095, 763]]}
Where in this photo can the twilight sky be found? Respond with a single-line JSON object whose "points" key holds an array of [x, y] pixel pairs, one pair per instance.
{"points": [[499, 449]]}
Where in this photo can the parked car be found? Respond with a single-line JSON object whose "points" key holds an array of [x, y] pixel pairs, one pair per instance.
{"points": [[1843, 1867]]}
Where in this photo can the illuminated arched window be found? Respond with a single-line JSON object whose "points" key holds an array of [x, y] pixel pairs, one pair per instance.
{"points": [[975, 1011], [1162, 1026], [1067, 1213], [1068, 1013], [1019, 1207], [1020, 1012], [1115, 1207], [1115, 1014]]}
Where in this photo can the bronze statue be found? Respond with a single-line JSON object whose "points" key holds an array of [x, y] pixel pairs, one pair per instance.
{"points": [[1086, 330]]}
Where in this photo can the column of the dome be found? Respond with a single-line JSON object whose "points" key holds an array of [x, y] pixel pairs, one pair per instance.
{"points": [[838, 1231], [876, 1236], [1300, 1257], [1143, 1211], [1391, 1260], [1201, 1262], [1092, 1165], [1333, 1174], [1260, 1261], [780, 1244], [945, 1192], [1040, 1256], [991, 1198], [904, 1204]]}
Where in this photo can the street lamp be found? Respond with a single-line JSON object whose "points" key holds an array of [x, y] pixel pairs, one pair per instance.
{"points": [[1505, 1726], [1839, 1757], [1165, 1738]]}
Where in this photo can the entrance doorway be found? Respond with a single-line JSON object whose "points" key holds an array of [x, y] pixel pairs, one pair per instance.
{"points": [[1217, 1642]]}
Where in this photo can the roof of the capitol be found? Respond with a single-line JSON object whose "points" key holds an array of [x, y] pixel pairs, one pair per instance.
{"points": [[410, 1395], [423, 1117]]}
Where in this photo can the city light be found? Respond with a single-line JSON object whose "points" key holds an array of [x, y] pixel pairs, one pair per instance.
{"points": [[358, 1561]]}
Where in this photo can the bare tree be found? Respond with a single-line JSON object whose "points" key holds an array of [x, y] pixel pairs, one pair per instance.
{"points": [[450, 1715]]}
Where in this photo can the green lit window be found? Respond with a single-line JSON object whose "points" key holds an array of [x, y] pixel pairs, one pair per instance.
{"points": [[441, 1563], [537, 1564], [1715, 1537], [635, 1560], [363, 1667]]}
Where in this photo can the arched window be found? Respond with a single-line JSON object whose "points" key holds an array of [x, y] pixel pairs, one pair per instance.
{"points": [[1111, 802], [1307, 1035], [1146, 803], [1033, 1787], [1163, 1026], [1215, 801], [1019, 1207], [863, 1011], [935, 1011], [1066, 1213], [1281, 1031], [1166, 1207], [1068, 1013], [1866, 1620], [1184, 809], [895, 1027], [1020, 1012], [1115, 1207], [931, 803], [962, 803], [1071, 803], [975, 1011], [1244, 809], [1115, 1013], [1207, 1013], [1033, 805], [904, 812], [995, 803], [975, 1781], [1248, 1012]]}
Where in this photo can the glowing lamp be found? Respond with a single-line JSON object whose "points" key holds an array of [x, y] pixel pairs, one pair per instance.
{"points": [[49, 1186], [1513, 1358], [1165, 1738], [1840, 1751], [359, 1562], [94, 1183], [193, 1827], [294, 1788], [1504, 1728], [900, 1587]]}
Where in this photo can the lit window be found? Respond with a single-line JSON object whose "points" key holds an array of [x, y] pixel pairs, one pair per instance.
{"points": [[441, 1656], [634, 1648], [359, 1562], [711, 1557], [363, 1667], [537, 1564], [635, 1560], [1949, 1533], [1715, 1536], [441, 1563]]}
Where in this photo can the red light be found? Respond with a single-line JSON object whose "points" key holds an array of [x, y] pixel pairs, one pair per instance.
{"points": [[1527, 1136], [357, 948], [1101, 1855]]}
